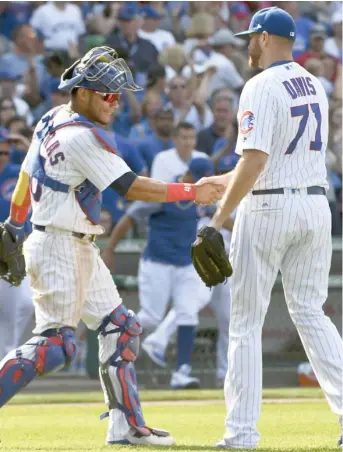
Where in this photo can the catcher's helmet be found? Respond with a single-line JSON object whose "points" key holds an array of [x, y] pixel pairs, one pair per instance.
{"points": [[99, 70]]}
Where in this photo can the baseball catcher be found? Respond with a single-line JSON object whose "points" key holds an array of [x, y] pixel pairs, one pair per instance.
{"points": [[12, 263], [209, 257]]}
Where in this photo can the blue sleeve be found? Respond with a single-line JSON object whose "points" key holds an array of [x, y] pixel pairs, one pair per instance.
{"points": [[140, 210], [134, 159]]}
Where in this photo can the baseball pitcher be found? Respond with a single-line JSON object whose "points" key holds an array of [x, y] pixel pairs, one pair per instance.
{"points": [[283, 223]]}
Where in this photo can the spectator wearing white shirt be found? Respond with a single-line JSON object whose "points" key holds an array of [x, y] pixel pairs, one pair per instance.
{"points": [[60, 23], [150, 31], [333, 46], [224, 44]]}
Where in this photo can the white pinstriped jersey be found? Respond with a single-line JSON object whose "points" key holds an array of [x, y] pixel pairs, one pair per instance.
{"points": [[71, 156], [283, 112]]}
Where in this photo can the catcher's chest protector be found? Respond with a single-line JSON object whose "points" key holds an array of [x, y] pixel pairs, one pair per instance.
{"points": [[87, 194]]}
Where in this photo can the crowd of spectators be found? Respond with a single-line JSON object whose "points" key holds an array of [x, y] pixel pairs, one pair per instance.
{"points": [[185, 56]]}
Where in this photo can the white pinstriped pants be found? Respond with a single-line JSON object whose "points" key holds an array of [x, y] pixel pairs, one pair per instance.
{"points": [[290, 233], [69, 281]]}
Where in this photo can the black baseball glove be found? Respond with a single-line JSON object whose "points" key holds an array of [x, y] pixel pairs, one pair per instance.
{"points": [[209, 257], [12, 262]]}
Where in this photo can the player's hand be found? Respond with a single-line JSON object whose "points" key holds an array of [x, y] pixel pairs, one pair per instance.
{"points": [[108, 258], [208, 192]]}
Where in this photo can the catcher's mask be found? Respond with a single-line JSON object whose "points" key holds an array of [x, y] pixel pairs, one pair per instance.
{"points": [[99, 70]]}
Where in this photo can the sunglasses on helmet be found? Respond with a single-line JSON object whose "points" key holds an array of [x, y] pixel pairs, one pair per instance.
{"points": [[110, 98]]}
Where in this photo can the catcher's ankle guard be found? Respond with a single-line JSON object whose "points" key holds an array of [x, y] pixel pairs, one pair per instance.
{"points": [[38, 356], [117, 370]]}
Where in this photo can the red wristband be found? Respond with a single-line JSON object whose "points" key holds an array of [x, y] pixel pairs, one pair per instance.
{"points": [[181, 192]]}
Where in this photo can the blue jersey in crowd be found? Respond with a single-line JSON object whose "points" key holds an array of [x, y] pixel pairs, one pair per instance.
{"points": [[172, 230], [149, 147]]}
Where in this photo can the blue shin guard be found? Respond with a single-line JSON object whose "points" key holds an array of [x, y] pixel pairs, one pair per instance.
{"points": [[117, 370], [41, 355]]}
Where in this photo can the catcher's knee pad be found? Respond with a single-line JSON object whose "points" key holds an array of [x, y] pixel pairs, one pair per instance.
{"points": [[40, 356], [118, 348]]}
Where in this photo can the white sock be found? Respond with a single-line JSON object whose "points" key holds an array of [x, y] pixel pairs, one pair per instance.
{"points": [[161, 336], [118, 426]]}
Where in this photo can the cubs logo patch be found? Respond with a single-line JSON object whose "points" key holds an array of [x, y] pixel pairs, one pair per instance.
{"points": [[247, 122]]}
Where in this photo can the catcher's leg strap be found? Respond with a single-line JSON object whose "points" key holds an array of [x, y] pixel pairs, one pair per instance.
{"points": [[40, 355], [117, 371]]}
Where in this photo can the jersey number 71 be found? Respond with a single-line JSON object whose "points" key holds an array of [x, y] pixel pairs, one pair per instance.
{"points": [[304, 112]]}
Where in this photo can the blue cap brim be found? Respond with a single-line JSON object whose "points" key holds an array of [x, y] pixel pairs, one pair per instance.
{"points": [[245, 34]]}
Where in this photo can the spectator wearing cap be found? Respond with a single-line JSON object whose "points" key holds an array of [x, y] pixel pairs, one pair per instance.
{"points": [[318, 35], [173, 59], [151, 103], [333, 45], [196, 45], [13, 14], [224, 44], [57, 97], [160, 139], [240, 17], [303, 26], [150, 29], [8, 81], [222, 126], [141, 54], [227, 163], [61, 24], [198, 168], [189, 105], [23, 58]]}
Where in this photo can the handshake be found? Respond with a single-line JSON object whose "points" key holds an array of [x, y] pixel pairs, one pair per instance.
{"points": [[209, 190]]}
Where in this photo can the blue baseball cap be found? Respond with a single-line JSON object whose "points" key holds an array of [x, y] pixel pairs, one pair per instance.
{"points": [[274, 21], [227, 163], [150, 13], [9, 75], [4, 135], [201, 167], [128, 13]]}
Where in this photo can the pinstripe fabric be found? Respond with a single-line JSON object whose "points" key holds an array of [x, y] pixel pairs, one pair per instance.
{"points": [[83, 158], [69, 281], [274, 128], [292, 234]]}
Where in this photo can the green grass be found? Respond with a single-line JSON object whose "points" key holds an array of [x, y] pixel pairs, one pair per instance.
{"points": [[204, 394], [291, 427]]}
